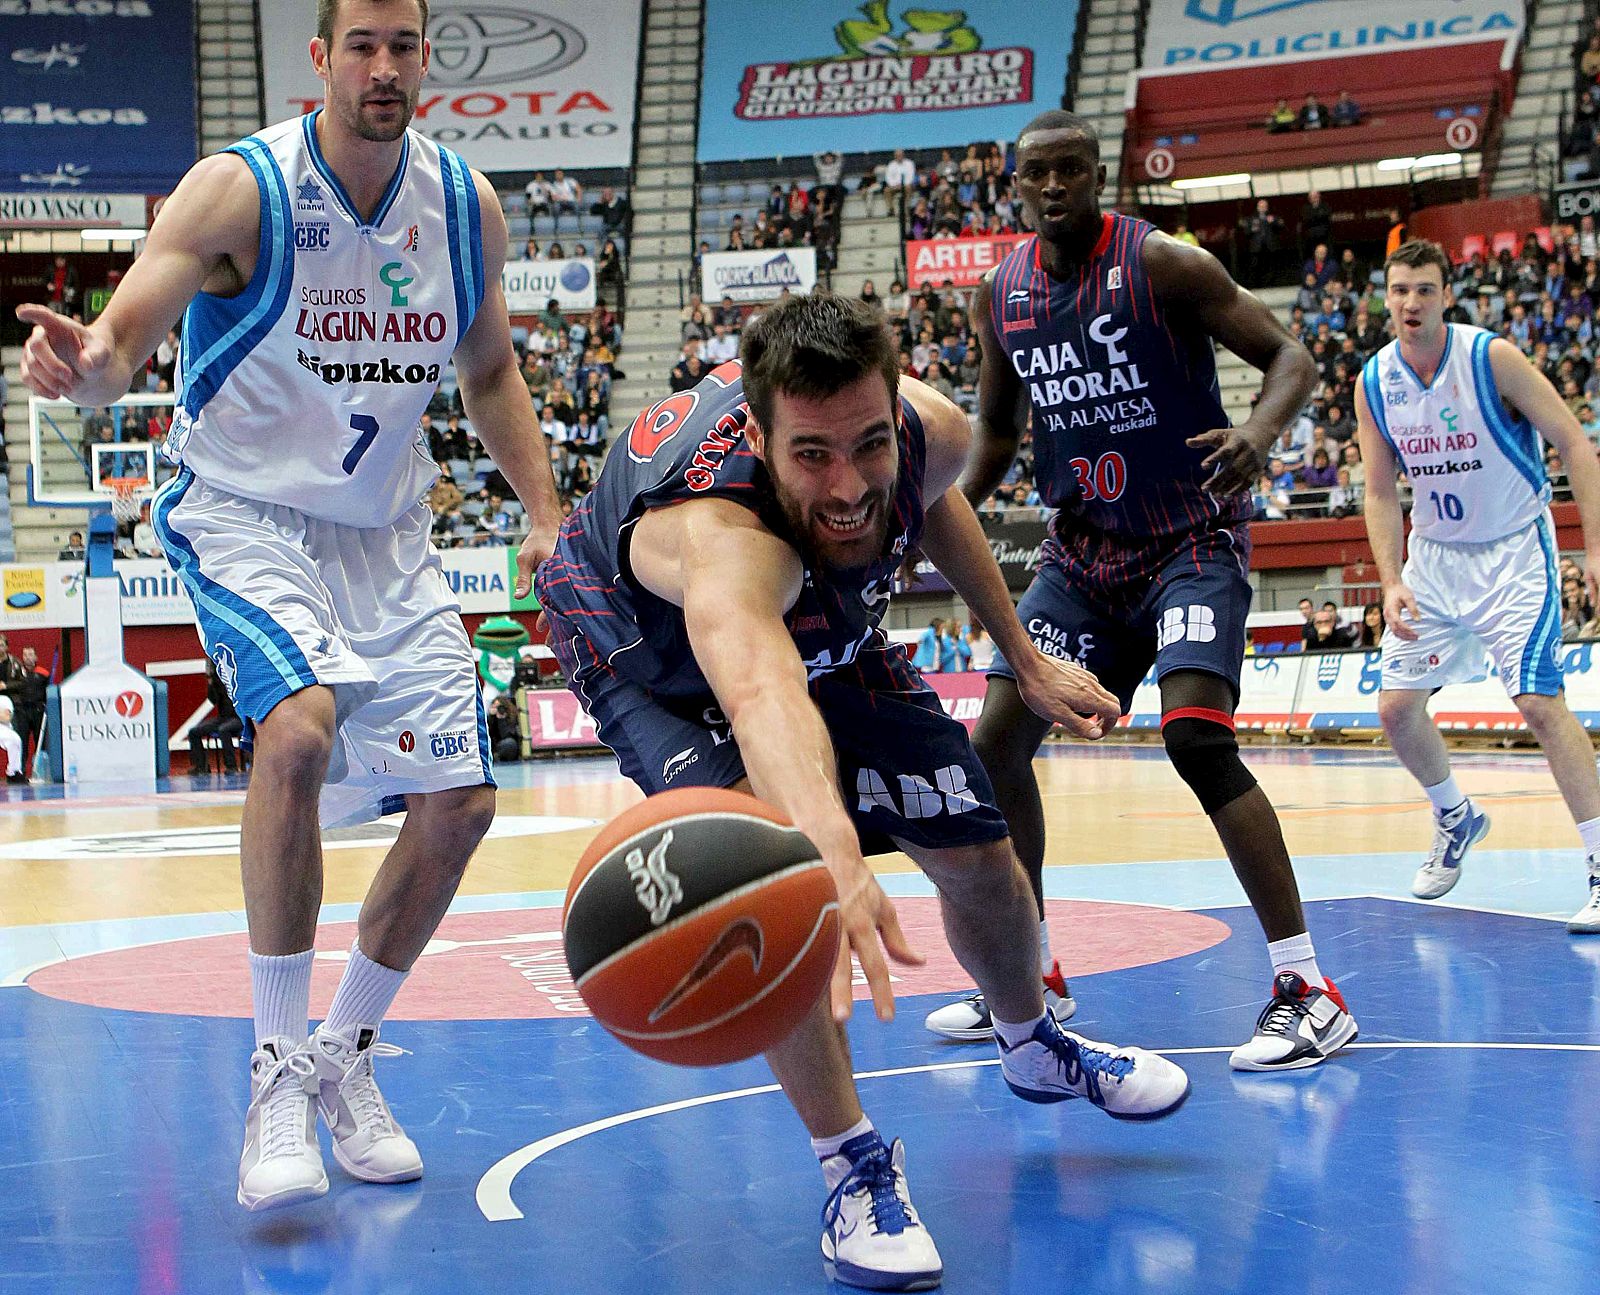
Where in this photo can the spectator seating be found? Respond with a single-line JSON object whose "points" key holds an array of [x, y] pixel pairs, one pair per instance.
{"points": [[1210, 120]]}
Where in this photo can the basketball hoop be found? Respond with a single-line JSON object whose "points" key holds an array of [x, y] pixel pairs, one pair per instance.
{"points": [[125, 501]]}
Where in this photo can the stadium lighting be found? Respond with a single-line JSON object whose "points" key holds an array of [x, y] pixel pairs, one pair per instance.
{"points": [[111, 235], [1397, 163], [1213, 181], [1438, 159]]}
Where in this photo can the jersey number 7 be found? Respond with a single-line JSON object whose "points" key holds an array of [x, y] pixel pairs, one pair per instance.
{"points": [[367, 425]]}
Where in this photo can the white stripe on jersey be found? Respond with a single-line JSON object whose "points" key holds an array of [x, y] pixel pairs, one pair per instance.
{"points": [[1475, 474], [307, 389]]}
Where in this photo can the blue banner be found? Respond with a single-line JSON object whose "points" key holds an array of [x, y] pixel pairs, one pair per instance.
{"points": [[784, 79], [96, 95]]}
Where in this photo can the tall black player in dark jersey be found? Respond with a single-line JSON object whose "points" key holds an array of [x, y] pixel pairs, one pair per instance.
{"points": [[1107, 327], [715, 603]]}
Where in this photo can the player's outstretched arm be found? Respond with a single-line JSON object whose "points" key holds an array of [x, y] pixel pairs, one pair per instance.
{"points": [[1385, 520], [735, 580], [207, 228], [1001, 411], [1190, 280], [1529, 392], [497, 400], [954, 541]]}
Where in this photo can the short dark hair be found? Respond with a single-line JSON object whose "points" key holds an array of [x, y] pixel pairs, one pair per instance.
{"points": [[1060, 119], [1416, 253], [814, 345], [328, 14]]}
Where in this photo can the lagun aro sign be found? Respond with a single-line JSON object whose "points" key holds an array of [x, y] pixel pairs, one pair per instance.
{"points": [[936, 65]]}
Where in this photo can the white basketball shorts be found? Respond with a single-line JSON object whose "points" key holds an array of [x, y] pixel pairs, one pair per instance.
{"points": [[1502, 595], [286, 601]]}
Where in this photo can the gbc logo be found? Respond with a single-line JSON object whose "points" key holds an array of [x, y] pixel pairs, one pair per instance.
{"points": [[447, 745], [311, 236], [487, 45]]}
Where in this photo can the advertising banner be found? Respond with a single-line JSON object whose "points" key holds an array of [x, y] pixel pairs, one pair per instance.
{"points": [[511, 86], [1569, 202], [1202, 35], [529, 285], [931, 262], [50, 595], [1015, 544], [96, 96], [782, 79], [108, 725], [69, 209], [759, 275], [556, 720]]}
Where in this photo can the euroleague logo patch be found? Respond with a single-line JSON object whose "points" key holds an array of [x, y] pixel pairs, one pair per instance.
{"points": [[408, 742]]}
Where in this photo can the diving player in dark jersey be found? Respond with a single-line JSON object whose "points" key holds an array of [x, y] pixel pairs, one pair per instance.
{"points": [[1107, 325], [715, 604]]}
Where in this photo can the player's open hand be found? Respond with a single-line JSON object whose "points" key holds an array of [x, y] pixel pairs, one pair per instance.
{"points": [[1063, 691], [60, 353], [866, 916], [1235, 461], [1400, 612]]}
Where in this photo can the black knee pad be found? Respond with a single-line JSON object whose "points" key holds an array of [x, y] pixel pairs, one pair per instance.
{"points": [[1206, 755]]}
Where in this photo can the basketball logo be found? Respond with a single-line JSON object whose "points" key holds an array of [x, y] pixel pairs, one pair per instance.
{"points": [[128, 704]]}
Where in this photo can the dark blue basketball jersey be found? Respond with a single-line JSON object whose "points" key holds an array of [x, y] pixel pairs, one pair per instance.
{"points": [[692, 446], [1117, 387]]}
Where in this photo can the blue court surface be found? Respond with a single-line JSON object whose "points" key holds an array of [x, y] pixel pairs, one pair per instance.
{"points": [[1453, 1150]]}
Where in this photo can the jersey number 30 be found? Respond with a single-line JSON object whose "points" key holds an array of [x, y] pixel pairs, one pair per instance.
{"points": [[1106, 478]]}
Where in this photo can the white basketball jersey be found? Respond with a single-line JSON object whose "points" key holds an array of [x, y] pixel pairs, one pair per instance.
{"points": [[1475, 474], [307, 389]]}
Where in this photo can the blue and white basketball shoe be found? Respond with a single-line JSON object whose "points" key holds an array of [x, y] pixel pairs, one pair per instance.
{"points": [[1454, 834], [871, 1235], [1054, 1065]]}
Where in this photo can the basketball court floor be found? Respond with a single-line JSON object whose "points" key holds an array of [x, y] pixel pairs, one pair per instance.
{"points": [[1454, 1149]]}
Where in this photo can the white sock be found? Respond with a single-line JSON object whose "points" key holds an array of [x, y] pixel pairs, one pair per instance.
{"points": [[364, 994], [1045, 959], [1296, 954], [1444, 796], [281, 988], [1590, 832], [828, 1147], [1011, 1034]]}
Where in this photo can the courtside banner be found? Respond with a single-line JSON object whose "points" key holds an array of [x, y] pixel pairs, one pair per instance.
{"points": [[511, 86], [931, 262], [1208, 35], [96, 96], [530, 285], [49, 595], [760, 275], [783, 78]]}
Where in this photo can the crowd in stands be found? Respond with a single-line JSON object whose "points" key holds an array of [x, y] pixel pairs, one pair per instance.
{"points": [[1313, 114], [1580, 149], [568, 363], [970, 198], [949, 647]]}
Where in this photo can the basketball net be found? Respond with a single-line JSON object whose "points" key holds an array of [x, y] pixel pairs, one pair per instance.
{"points": [[125, 502]]}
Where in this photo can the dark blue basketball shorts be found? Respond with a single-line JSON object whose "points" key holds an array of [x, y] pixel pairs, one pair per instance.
{"points": [[906, 769], [1187, 612]]}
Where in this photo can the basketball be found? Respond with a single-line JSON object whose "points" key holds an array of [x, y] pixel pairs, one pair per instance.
{"points": [[700, 926]]}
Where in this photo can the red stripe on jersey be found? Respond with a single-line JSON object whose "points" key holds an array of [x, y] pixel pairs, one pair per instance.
{"points": [[1199, 712], [1107, 224]]}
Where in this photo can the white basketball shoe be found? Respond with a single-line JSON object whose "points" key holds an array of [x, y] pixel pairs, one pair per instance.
{"points": [[968, 1019], [871, 1235], [281, 1164], [367, 1142]]}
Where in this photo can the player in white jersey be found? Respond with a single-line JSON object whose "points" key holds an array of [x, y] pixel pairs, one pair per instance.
{"points": [[330, 267], [1460, 412]]}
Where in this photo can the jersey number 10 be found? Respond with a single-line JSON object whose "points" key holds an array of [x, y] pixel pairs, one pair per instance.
{"points": [[1447, 507]]}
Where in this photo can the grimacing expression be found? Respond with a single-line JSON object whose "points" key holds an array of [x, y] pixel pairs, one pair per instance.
{"points": [[1059, 179], [834, 462], [373, 67]]}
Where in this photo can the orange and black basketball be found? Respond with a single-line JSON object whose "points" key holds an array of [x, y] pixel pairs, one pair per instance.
{"points": [[701, 926]]}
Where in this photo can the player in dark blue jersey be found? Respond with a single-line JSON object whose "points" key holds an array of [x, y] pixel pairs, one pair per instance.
{"points": [[1107, 326], [715, 603]]}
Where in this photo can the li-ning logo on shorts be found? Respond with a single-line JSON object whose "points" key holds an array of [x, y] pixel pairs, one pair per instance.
{"points": [[656, 885], [676, 764]]}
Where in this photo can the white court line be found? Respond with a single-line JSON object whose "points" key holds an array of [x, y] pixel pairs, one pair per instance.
{"points": [[494, 1188]]}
